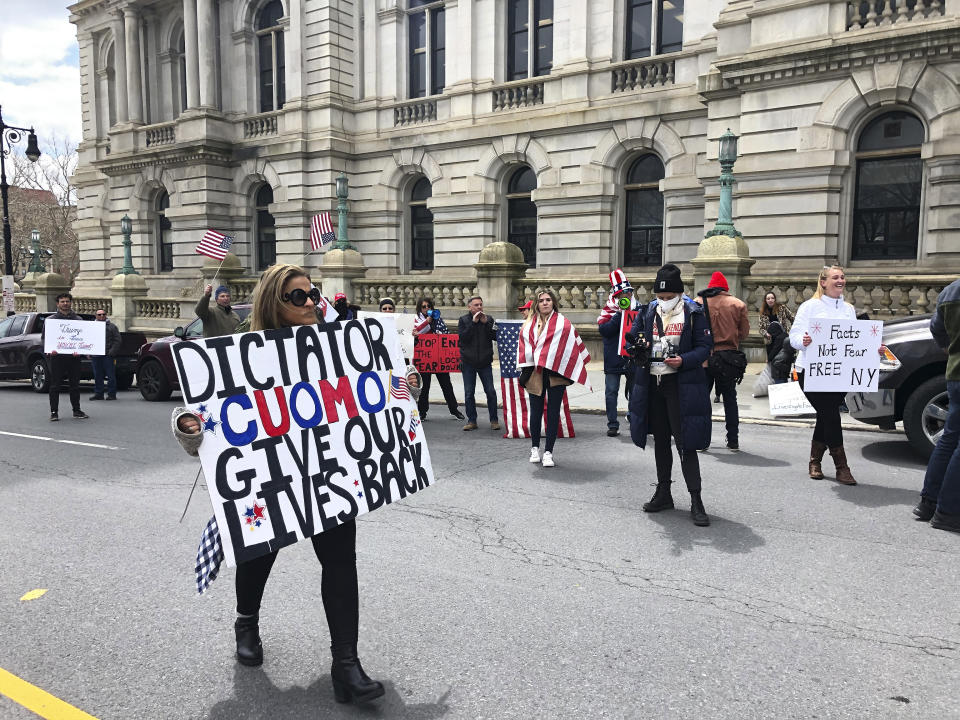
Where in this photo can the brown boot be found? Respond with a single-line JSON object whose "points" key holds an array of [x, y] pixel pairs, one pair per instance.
{"points": [[844, 476], [817, 449]]}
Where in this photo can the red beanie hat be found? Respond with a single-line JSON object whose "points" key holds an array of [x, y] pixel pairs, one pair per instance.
{"points": [[717, 280]]}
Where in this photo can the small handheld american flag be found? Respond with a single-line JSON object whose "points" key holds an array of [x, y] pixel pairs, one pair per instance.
{"points": [[398, 387], [321, 231], [214, 245]]}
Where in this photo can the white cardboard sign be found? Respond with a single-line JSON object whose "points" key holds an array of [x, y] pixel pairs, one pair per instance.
{"points": [[304, 429], [844, 355], [9, 298], [404, 324], [66, 337], [787, 400]]}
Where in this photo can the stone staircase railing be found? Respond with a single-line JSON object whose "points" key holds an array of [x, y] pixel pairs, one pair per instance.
{"points": [[405, 291], [875, 13]]}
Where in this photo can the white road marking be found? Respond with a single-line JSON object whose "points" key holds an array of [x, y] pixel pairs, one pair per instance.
{"points": [[58, 440]]}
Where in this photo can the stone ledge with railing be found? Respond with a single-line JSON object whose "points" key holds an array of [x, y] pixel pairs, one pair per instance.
{"points": [[160, 134], [877, 13], [259, 126], [522, 93], [642, 74], [24, 302], [412, 113], [90, 305], [446, 294], [157, 308]]}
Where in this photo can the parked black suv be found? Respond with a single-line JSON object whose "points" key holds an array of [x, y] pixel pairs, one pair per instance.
{"points": [[916, 392]]}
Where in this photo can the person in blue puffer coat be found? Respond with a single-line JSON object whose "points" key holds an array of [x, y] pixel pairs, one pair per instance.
{"points": [[670, 397]]}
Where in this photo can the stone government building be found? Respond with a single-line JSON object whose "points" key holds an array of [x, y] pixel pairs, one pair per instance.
{"points": [[583, 131]]}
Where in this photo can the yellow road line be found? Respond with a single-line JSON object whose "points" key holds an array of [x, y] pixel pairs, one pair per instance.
{"points": [[38, 701]]}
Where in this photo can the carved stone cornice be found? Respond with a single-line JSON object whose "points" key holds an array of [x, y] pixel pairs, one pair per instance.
{"points": [[174, 157]]}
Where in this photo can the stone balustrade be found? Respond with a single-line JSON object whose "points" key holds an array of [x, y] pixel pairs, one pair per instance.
{"points": [[25, 302], [159, 134], [418, 111], [588, 294], [449, 294], [639, 74], [241, 290], [522, 93], [877, 296], [157, 308], [259, 126], [876, 13], [90, 305]]}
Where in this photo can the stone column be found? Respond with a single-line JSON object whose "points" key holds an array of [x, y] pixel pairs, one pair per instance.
{"points": [[48, 286], [339, 269], [728, 254], [207, 52], [192, 53], [131, 23], [119, 67], [499, 267], [123, 290]]}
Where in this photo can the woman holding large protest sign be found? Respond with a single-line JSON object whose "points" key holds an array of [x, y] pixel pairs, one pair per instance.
{"points": [[826, 304], [670, 397], [285, 298], [552, 356]]}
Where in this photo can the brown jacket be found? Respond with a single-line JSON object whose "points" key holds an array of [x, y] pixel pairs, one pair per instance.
{"points": [[728, 318]]}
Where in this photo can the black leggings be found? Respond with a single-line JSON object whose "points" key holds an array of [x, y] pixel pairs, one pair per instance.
{"points": [[827, 404], [336, 550], [423, 402], [663, 413], [554, 403]]}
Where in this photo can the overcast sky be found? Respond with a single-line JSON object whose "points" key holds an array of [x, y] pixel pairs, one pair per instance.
{"points": [[39, 68]]}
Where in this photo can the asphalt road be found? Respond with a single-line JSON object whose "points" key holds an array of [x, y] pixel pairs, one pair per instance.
{"points": [[506, 590]]}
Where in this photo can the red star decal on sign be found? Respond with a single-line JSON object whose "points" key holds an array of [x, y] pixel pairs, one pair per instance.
{"points": [[874, 330], [815, 328], [356, 483], [258, 512]]}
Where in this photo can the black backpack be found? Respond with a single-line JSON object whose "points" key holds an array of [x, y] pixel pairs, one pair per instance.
{"points": [[729, 365]]}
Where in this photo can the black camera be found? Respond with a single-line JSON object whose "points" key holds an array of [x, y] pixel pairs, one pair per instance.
{"points": [[637, 350]]}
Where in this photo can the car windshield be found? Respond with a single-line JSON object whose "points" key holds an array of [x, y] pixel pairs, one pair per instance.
{"points": [[6, 325]]}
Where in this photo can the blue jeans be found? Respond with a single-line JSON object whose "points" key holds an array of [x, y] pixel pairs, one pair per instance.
{"points": [[104, 365], [727, 389], [942, 481], [611, 390], [469, 374]]}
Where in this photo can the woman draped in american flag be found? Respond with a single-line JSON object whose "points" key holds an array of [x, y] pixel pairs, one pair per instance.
{"points": [[552, 356]]}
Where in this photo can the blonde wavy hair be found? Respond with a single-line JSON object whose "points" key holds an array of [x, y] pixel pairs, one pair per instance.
{"points": [[535, 310], [822, 278], [268, 295]]}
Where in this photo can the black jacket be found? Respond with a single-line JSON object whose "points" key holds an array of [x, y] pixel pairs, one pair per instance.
{"points": [[113, 340], [476, 340]]}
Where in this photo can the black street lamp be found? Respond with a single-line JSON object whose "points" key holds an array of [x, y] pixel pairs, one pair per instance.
{"points": [[10, 134]]}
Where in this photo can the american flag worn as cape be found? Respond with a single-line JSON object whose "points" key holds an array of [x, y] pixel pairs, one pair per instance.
{"points": [[558, 348], [516, 408]]}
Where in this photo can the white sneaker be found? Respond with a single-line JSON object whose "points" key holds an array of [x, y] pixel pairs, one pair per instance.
{"points": [[534, 455], [548, 459]]}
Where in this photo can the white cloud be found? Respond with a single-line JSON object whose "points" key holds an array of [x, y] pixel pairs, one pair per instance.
{"points": [[39, 73]]}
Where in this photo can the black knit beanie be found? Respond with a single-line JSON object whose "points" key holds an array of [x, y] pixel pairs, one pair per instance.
{"points": [[668, 280]]}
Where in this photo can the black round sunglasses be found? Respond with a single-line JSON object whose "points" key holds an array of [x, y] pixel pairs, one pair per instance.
{"points": [[299, 297]]}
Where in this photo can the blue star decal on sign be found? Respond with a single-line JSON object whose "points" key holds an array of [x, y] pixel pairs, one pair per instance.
{"points": [[359, 494], [210, 425], [202, 409], [249, 512]]}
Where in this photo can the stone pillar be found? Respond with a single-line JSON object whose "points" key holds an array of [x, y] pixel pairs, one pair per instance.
{"points": [[123, 290], [192, 53], [339, 268], [499, 268], [119, 67], [230, 270], [48, 286], [131, 28], [207, 52], [729, 255]]}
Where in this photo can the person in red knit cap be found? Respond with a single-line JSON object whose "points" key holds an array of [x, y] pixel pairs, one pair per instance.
{"points": [[730, 326]]}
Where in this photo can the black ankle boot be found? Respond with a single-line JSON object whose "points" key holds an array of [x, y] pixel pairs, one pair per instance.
{"points": [[697, 511], [925, 509], [249, 649], [350, 682], [661, 500]]}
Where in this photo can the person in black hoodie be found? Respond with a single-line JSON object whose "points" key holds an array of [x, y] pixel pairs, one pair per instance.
{"points": [[477, 332], [780, 354]]}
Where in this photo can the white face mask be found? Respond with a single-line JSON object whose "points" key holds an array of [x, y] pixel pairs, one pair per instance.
{"points": [[668, 305]]}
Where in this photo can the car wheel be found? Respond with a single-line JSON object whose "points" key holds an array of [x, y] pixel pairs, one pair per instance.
{"points": [[153, 383], [124, 381], [40, 375], [925, 414]]}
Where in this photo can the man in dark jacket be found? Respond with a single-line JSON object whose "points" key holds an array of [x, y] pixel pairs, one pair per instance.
{"points": [[940, 499], [614, 364], [730, 326], [220, 319], [104, 365], [477, 332], [63, 366]]}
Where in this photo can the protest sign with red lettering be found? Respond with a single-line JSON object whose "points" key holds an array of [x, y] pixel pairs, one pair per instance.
{"points": [[437, 353], [304, 428], [626, 322]]}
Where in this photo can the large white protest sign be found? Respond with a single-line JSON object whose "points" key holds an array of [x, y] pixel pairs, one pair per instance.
{"points": [[304, 428], [844, 355], [404, 325], [66, 337]]}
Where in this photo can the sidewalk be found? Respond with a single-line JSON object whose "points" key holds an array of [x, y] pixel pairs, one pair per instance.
{"points": [[752, 410]]}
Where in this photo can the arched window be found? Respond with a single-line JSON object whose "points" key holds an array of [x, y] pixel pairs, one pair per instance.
{"points": [[266, 229], [421, 226], [529, 53], [886, 214], [179, 69], [643, 228], [522, 214], [164, 233], [270, 61], [643, 16], [111, 86]]}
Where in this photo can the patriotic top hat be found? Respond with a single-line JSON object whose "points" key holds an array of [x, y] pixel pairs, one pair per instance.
{"points": [[619, 282]]}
